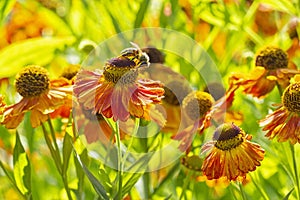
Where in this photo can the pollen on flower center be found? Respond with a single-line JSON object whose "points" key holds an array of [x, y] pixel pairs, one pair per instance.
{"points": [[197, 104], [228, 136], [272, 58], [120, 69], [32, 81], [291, 97]]}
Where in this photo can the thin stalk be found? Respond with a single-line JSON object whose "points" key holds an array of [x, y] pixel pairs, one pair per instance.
{"points": [[232, 192], [56, 156], [52, 132], [120, 173], [262, 192], [296, 177], [186, 183], [135, 130], [241, 189], [169, 176], [52, 150], [65, 181]]}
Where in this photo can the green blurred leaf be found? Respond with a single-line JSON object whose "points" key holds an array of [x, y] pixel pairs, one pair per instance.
{"points": [[288, 194], [136, 170], [79, 171], [281, 5], [5, 8], [67, 150], [103, 176], [96, 184], [32, 51], [22, 171], [141, 13]]}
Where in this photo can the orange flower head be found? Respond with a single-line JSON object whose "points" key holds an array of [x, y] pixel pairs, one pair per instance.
{"points": [[284, 122], [41, 96], [291, 98], [232, 155], [117, 91], [272, 58], [32, 81], [196, 108], [197, 104]]}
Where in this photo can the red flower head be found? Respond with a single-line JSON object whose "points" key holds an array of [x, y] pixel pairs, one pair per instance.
{"points": [[117, 91], [285, 121], [271, 68], [232, 155], [40, 95]]}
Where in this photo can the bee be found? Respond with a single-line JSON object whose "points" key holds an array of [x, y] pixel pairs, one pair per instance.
{"points": [[136, 55]]}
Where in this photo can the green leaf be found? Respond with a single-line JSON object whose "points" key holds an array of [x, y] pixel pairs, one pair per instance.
{"points": [[136, 171], [38, 51], [5, 8], [22, 171], [67, 150], [288, 194], [281, 5], [141, 13], [103, 176], [79, 171], [96, 184]]}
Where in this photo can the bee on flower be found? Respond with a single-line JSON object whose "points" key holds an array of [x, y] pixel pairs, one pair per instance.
{"points": [[40, 96], [271, 69], [117, 91], [283, 123], [232, 155]]}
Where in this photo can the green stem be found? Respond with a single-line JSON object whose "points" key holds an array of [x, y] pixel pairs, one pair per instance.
{"points": [[279, 89], [241, 189], [296, 177], [231, 190], [65, 180], [56, 156], [170, 175], [135, 130], [53, 152], [120, 173], [186, 183], [262, 192], [52, 132]]}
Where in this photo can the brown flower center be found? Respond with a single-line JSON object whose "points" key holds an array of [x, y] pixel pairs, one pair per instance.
{"points": [[32, 81], [272, 58], [70, 71], [291, 97], [197, 104], [228, 136], [120, 70]]}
